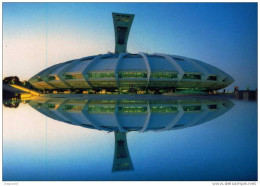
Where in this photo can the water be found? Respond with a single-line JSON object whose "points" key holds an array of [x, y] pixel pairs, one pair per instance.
{"points": [[188, 139]]}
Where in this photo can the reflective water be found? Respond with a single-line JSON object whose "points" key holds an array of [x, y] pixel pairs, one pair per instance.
{"points": [[130, 139]]}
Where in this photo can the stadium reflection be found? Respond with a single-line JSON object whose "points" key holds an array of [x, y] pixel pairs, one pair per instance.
{"points": [[124, 115]]}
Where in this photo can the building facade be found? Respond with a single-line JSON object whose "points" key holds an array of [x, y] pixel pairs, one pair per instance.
{"points": [[124, 72], [124, 115]]}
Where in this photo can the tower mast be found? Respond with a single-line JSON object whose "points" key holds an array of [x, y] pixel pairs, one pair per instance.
{"points": [[122, 26], [122, 159]]}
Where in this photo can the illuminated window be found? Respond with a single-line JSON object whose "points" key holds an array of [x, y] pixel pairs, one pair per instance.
{"points": [[101, 75], [98, 108], [163, 75], [131, 109], [163, 109], [126, 19], [126, 74], [74, 107], [73, 76], [52, 78], [51, 105]]}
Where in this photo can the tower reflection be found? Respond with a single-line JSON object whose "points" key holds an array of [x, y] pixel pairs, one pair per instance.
{"points": [[124, 115]]}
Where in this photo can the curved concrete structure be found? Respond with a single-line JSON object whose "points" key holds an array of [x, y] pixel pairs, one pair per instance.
{"points": [[124, 72], [132, 71], [132, 115]]}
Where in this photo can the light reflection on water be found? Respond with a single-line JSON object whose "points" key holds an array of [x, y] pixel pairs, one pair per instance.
{"points": [[220, 145]]}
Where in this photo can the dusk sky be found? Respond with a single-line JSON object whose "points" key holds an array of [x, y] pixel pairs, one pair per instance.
{"points": [[38, 35]]}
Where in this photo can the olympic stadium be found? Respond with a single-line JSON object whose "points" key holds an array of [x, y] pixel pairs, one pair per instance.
{"points": [[122, 116], [132, 115], [124, 72]]}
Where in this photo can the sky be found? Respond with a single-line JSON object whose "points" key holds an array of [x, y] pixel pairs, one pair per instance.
{"points": [[39, 35]]}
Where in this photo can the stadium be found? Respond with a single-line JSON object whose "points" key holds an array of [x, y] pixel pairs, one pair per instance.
{"points": [[123, 72], [121, 116], [124, 115]]}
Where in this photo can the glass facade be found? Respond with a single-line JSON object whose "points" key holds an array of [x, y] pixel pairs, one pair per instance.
{"points": [[100, 108], [101, 75], [127, 102], [52, 106], [73, 76], [52, 78], [127, 74], [129, 109], [74, 107], [79, 84], [163, 109], [192, 76], [103, 102], [163, 75]]}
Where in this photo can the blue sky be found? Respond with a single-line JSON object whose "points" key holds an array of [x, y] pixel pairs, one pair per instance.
{"points": [[36, 35]]}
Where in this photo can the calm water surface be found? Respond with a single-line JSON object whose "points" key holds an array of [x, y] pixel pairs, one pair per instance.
{"points": [[179, 140]]}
